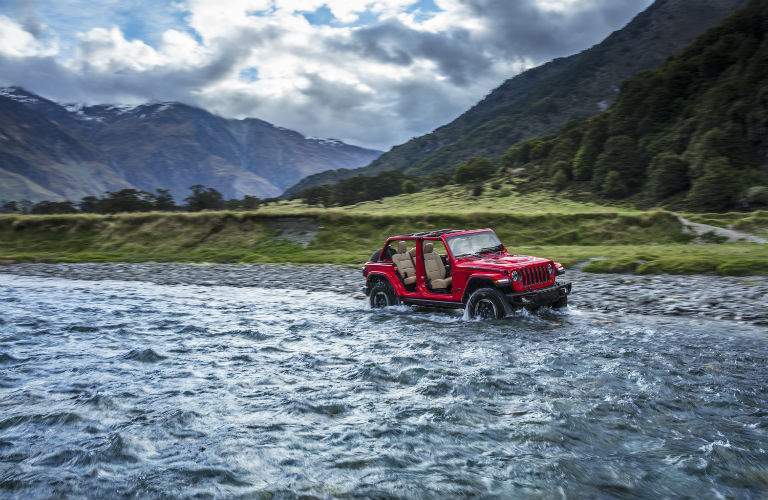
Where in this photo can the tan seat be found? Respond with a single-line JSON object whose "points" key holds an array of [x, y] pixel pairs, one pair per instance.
{"points": [[435, 268], [404, 264]]}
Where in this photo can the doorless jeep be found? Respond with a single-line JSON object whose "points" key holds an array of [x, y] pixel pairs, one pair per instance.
{"points": [[460, 269]]}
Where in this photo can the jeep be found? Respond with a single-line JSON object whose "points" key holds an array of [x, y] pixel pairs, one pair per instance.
{"points": [[461, 269]]}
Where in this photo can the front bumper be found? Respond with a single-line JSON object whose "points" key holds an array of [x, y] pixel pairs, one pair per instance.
{"points": [[540, 298]]}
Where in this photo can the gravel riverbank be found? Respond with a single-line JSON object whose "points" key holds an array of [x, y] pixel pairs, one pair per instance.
{"points": [[713, 297]]}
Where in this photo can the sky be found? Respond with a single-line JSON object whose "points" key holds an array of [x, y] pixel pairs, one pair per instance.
{"points": [[369, 72]]}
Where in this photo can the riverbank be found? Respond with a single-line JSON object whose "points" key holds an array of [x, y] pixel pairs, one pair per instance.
{"points": [[743, 299], [617, 242]]}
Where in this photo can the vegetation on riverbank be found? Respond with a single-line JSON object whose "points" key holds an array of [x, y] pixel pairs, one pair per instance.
{"points": [[641, 242]]}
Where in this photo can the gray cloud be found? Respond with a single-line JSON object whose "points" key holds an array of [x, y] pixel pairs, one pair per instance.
{"points": [[382, 112], [454, 52], [525, 29]]}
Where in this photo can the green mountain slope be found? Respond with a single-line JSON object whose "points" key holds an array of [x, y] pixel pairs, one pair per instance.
{"points": [[692, 134], [542, 100]]}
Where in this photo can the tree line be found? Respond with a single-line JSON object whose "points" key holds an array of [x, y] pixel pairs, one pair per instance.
{"points": [[134, 200], [362, 188]]}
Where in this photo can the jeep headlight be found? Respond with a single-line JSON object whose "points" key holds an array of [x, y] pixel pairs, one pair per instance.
{"points": [[515, 276], [550, 269]]}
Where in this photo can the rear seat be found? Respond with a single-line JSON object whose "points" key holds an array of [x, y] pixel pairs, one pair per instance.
{"points": [[404, 264]]}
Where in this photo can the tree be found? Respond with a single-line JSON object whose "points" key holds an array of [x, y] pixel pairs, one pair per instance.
{"points": [[517, 155], [319, 195], [591, 146], [560, 180], [204, 198], [668, 175], [89, 204], [716, 189], [250, 202], [10, 207], [614, 186], [477, 169], [53, 207], [164, 201], [126, 200], [561, 166], [756, 197], [410, 187], [620, 155], [439, 179], [563, 150]]}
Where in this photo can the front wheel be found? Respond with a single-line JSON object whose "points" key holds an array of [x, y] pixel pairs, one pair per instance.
{"points": [[561, 303], [382, 296], [485, 304]]}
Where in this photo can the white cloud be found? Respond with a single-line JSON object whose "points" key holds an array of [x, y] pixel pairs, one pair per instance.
{"points": [[380, 72], [15, 41]]}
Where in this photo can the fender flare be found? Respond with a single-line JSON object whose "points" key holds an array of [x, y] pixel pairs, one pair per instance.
{"points": [[476, 281], [380, 276]]}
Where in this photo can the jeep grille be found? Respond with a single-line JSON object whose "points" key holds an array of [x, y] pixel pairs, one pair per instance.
{"points": [[534, 275]]}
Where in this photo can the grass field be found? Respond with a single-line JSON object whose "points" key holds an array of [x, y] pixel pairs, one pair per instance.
{"points": [[457, 200], [605, 240]]}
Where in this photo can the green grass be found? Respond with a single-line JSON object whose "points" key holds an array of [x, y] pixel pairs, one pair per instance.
{"points": [[452, 200], [611, 241]]}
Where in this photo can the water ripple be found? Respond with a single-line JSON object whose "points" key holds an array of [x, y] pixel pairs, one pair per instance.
{"points": [[289, 391]]}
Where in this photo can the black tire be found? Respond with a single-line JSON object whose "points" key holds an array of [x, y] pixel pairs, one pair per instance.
{"points": [[486, 303], [560, 303], [382, 296]]}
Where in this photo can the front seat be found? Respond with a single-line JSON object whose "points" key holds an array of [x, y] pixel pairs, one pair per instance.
{"points": [[435, 268], [404, 264]]}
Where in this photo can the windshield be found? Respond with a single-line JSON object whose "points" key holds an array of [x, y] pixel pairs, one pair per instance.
{"points": [[474, 244]]}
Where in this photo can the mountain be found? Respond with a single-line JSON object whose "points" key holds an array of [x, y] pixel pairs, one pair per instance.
{"points": [[692, 134], [52, 151], [543, 99]]}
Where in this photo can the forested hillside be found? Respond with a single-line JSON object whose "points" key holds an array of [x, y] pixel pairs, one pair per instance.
{"points": [[692, 134], [541, 100]]}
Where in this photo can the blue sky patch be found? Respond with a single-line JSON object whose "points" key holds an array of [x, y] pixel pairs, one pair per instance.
{"points": [[249, 74]]}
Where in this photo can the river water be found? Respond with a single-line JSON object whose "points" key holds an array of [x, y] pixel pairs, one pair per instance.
{"points": [[288, 385]]}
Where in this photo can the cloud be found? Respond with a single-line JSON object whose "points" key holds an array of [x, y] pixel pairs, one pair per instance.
{"points": [[373, 72]]}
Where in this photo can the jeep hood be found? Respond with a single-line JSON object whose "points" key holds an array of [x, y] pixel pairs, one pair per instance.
{"points": [[502, 262]]}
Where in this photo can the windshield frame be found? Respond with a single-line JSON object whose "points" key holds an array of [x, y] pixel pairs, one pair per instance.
{"points": [[450, 241]]}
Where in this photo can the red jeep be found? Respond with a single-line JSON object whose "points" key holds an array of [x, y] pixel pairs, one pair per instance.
{"points": [[458, 269]]}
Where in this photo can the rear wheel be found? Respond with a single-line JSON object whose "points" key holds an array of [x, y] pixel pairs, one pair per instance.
{"points": [[486, 303], [382, 296]]}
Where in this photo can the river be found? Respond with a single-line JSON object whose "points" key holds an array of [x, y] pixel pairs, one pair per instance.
{"points": [[182, 380]]}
